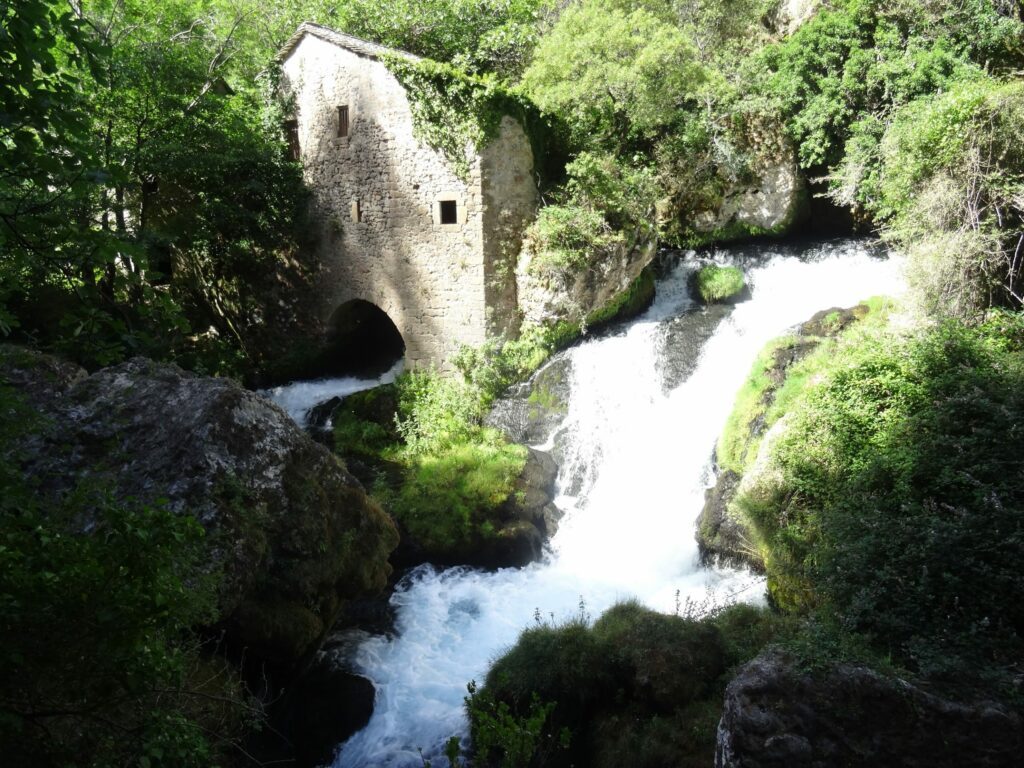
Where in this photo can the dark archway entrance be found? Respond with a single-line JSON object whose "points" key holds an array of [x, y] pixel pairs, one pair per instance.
{"points": [[362, 339]]}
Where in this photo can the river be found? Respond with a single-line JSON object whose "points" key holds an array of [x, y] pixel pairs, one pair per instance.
{"points": [[646, 405]]}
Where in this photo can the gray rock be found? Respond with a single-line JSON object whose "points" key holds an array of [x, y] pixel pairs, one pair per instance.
{"points": [[293, 532], [534, 409], [531, 501], [722, 537], [777, 716], [42, 380]]}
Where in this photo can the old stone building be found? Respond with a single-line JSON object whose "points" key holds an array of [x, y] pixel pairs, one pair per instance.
{"points": [[399, 232]]}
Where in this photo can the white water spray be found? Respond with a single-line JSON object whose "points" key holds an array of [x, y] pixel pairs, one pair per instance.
{"points": [[637, 465], [299, 397]]}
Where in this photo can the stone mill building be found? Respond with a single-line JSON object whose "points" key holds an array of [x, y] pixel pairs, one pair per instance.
{"points": [[399, 233]]}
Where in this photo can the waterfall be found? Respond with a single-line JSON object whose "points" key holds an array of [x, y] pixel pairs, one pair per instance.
{"points": [[646, 407], [299, 397]]}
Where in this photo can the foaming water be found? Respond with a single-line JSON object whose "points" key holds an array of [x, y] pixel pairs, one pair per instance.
{"points": [[299, 397], [631, 484]]}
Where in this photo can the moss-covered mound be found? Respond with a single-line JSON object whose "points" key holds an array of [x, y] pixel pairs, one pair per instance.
{"points": [[718, 284], [885, 495], [780, 373], [638, 688], [460, 492]]}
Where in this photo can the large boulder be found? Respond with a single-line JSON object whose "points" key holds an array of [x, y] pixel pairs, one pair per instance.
{"points": [[292, 531], [780, 716], [574, 295], [534, 409]]}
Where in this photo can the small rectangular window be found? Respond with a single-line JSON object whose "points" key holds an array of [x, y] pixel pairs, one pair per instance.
{"points": [[342, 121], [291, 137], [356, 210], [449, 212]]}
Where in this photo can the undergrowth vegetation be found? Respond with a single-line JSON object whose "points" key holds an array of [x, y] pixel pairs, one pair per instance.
{"points": [[101, 663], [889, 507], [432, 464], [636, 687]]}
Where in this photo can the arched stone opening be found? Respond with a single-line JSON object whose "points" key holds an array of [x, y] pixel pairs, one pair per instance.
{"points": [[362, 339]]}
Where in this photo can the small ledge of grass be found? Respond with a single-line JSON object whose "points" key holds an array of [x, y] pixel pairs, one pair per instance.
{"points": [[717, 284]]}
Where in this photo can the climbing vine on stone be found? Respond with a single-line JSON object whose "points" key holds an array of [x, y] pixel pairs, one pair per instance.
{"points": [[457, 113]]}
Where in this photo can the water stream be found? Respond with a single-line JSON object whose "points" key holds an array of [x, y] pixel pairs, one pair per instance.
{"points": [[645, 408], [301, 396]]}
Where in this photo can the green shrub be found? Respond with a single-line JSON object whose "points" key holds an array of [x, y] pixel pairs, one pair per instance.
{"points": [[716, 283], [566, 664], [672, 661], [568, 238], [949, 187], [894, 501], [436, 412], [638, 688], [440, 473]]}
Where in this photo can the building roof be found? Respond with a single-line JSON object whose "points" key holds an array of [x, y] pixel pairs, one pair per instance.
{"points": [[356, 45]]}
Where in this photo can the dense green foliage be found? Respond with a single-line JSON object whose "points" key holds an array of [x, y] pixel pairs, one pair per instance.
{"points": [[890, 507], [635, 688], [438, 471], [716, 283], [156, 206], [951, 188], [907, 109], [99, 663]]}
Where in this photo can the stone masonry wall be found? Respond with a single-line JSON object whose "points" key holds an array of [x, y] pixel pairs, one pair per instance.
{"points": [[377, 196]]}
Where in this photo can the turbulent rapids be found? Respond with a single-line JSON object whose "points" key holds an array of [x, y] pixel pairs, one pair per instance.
{"points": [[298, 398], [645, 408]]}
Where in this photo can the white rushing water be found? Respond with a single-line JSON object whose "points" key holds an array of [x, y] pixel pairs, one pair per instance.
{"points": [[643, 454], [299, 397]]}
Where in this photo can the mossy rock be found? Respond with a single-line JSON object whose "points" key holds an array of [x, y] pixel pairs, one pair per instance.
{"points": [[671, 660], [293, 534], [639, 688], [717, 284]]}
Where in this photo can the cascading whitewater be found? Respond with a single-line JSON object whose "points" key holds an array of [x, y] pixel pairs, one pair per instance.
{"points": [[636, 451], [298, 398]]}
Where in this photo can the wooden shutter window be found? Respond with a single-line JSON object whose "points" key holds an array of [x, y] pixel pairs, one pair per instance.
{"points": [[342, 122]]}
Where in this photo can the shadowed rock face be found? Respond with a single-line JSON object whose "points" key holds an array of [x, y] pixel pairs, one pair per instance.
{"points": [[779, 717], [293, 532]]}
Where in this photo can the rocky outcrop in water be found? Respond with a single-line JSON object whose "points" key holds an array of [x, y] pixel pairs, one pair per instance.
{"points": [[778, 716], [722, 534], [531, 411], [293, 532]]}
